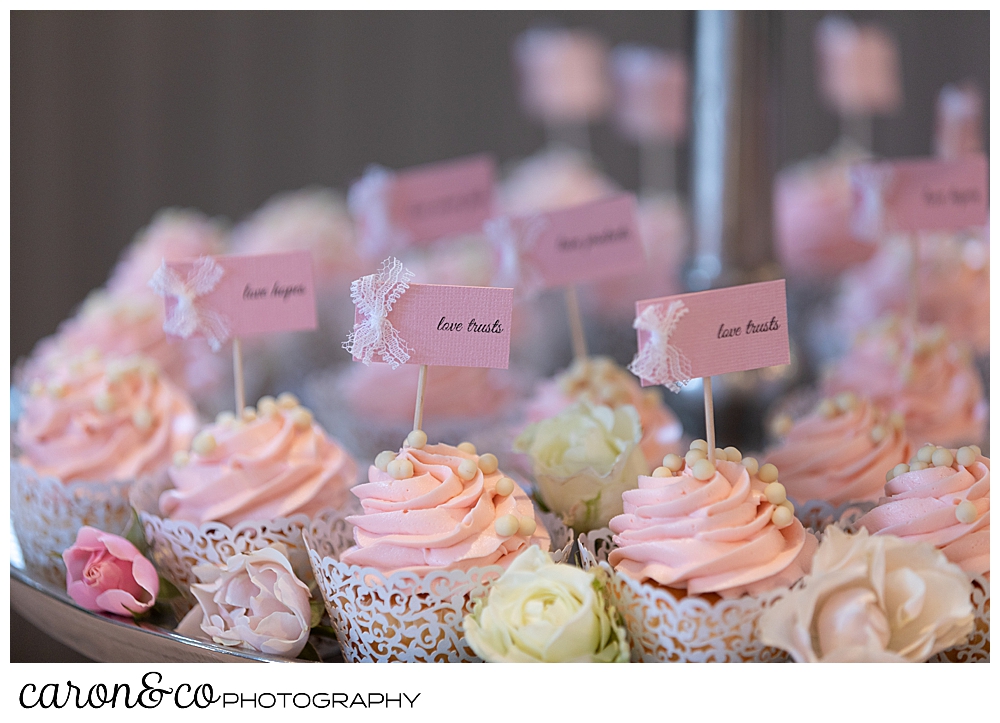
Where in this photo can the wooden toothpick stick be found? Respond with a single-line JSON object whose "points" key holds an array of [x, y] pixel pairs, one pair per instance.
{"points": [[576, 324], [706, 383], [238, 376], [418, 413]]}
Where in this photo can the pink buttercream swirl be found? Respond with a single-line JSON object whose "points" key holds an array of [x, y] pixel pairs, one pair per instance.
{"points": [[927, 379], [840, 455], [278, 464], [712, 536], [601, 381], [921, 506], [91, 419], [436, 519]]}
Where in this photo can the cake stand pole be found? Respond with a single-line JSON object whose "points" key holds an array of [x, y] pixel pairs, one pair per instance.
{"points": [[576, 323], [418, 412], [238, 376]]}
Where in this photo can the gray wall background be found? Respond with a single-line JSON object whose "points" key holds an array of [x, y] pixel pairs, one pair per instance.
{"points": [[115, 115]]}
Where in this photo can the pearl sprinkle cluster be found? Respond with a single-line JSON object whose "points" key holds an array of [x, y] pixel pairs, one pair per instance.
{"points": [[931, 455]]}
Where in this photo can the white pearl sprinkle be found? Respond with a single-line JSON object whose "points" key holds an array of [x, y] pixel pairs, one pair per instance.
{"points": [[767, 473], [781, 517], [382, 459], [181, 458], [703, 470], [846, 401], [467, 447], [918, 466], [734, 455], [751, 465], [266, 406], [966, 512], [287, 400], [400, 468], [720, 453], [966, 456], [787, 504], [694, 456], [57, 390], [897, 420], [926, 453], [416, 439], [700, 444], [976, 449], [673, 462], [104, 402], [467, 469], [662, 472], [878, 433], [224, 419], [142, 419], [204, 443], [826, 409], [507, 526], [248, 414], [505, 486], [775, 493], [527, 526], [781, 425], [942, 457], [488, 463], [302, 418]]}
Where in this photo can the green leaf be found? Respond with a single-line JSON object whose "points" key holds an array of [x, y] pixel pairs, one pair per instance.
{"points": [[317, 609], [135, 534], [309, 653], [167, 590]]}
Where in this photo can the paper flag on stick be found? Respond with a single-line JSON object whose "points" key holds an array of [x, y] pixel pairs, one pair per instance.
{"points": [[919, 195], [560, 248], [219, 297], [711, 332], [419, 205], [402, 323]]}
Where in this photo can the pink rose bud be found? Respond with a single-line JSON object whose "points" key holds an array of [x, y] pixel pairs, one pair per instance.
{"points": [[106, 573]]}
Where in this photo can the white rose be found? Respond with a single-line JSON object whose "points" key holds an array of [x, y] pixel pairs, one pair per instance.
{"points": [[542, 612], [255, 602], [872, 599], [583, 459]]}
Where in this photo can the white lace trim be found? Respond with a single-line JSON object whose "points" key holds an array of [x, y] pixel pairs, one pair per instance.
{"points": [[188, 317], [368, 200], [873, 182], [659, 361], [513, 268], [374, 296]]}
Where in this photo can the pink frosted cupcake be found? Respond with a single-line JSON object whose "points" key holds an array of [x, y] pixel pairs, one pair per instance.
{"points": [[550, 180], [943, 497], [840, 451], [600, 381], [923, 376], [439, 524], [700, 552], [245, 484], [90, 428]]}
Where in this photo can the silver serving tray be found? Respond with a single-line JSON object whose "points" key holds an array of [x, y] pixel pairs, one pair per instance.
{"points": [[107, 638]]}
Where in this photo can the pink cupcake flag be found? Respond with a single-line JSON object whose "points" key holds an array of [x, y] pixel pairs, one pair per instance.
{"points": [[713, 332], [591, 241], [220, 298], [397, 322], [919, 194]]}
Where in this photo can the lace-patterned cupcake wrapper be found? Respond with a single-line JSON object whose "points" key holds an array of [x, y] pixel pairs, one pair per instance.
{"points": [[404, 617], [977, 648], [665, 627], [176, 546], [46, 514]]}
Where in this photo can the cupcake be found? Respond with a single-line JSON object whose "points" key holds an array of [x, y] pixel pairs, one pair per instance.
{"points": [[439, 524], [245, 484], [600, 381], [839, 452], [700, 552], [943, 497], [954, 283], [90, 428], [922, 375]]}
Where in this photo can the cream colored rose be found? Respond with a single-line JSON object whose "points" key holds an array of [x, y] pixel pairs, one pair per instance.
{"points": [[872, 599], [543, 612], [583, 459], [255, 602]]}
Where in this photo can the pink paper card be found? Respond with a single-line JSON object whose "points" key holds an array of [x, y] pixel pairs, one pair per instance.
{"points": [[706, 333], [921, 194], [459, 326], [591, 241], [234, 296]]}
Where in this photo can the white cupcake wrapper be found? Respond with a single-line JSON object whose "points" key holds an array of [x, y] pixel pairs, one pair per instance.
{"points": [[176, 546], [817, 515], [404, 617], [664, 629], [47, 514]]}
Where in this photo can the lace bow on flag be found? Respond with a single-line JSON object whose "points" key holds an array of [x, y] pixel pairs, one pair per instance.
{"points": [[514, 267], [658, 361], [188, 316], [374, 297], [368, 201], [873, 184]]}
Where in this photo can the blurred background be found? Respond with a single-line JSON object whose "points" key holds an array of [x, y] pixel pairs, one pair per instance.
{"points": [[116, 115]]}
